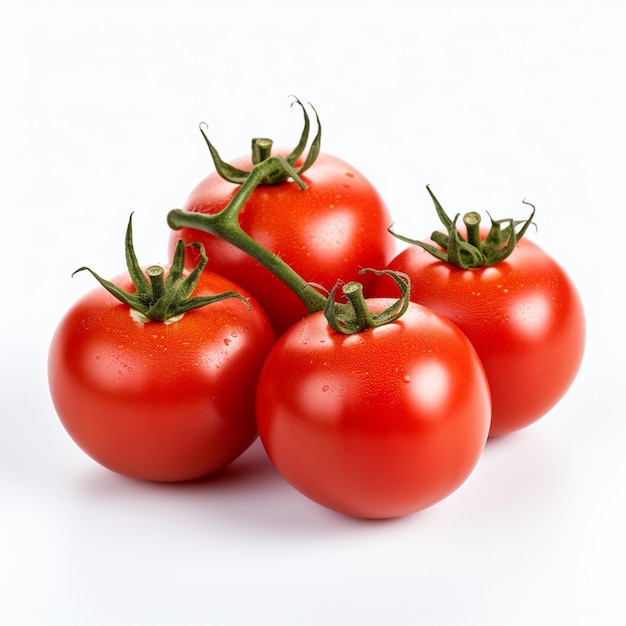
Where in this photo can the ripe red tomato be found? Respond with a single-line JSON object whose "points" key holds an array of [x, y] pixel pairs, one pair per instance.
{"points": [[335, 227], [524, 317], [160, 401], [377, 424]]}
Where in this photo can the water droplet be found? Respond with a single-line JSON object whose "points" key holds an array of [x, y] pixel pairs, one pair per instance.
{"points": [[325, 388], [406, 378], [227, 341]]}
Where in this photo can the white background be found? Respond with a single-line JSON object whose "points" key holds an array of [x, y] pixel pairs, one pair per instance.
{"points": [[490, 103]]}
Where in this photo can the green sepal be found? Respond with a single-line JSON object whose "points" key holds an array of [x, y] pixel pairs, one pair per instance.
{"points": [[354, 315], [155, 297], [261, 149], [472, 251]]}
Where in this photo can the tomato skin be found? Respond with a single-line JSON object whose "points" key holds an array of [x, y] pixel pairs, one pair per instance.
{"points": [[155, 401], [327, 232], [523, 315], [378, 424]]}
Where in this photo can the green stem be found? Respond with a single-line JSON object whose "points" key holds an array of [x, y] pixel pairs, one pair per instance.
{"points": [[472, 224], [261, 149], [225, 225], [354, 292], [155, 274]]}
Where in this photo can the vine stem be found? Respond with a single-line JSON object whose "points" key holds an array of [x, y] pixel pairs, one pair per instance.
{"points": [[225, 225]]}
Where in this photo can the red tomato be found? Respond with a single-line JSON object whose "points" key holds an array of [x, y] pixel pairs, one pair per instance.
{"points": [[524, 317], [329, 231], [160, 401], [378, 424]]}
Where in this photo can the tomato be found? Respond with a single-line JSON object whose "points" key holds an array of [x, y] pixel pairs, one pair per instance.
{"points": [[376, 424], [329, 231], [160, 401], [523, 315]]}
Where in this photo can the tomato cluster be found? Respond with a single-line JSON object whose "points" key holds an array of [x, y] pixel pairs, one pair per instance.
{"points": [[373, 379]]}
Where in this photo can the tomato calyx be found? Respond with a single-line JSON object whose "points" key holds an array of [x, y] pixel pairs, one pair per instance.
{"points": [[472, 251], [354, 316], [261, 150], [158, 297]]}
